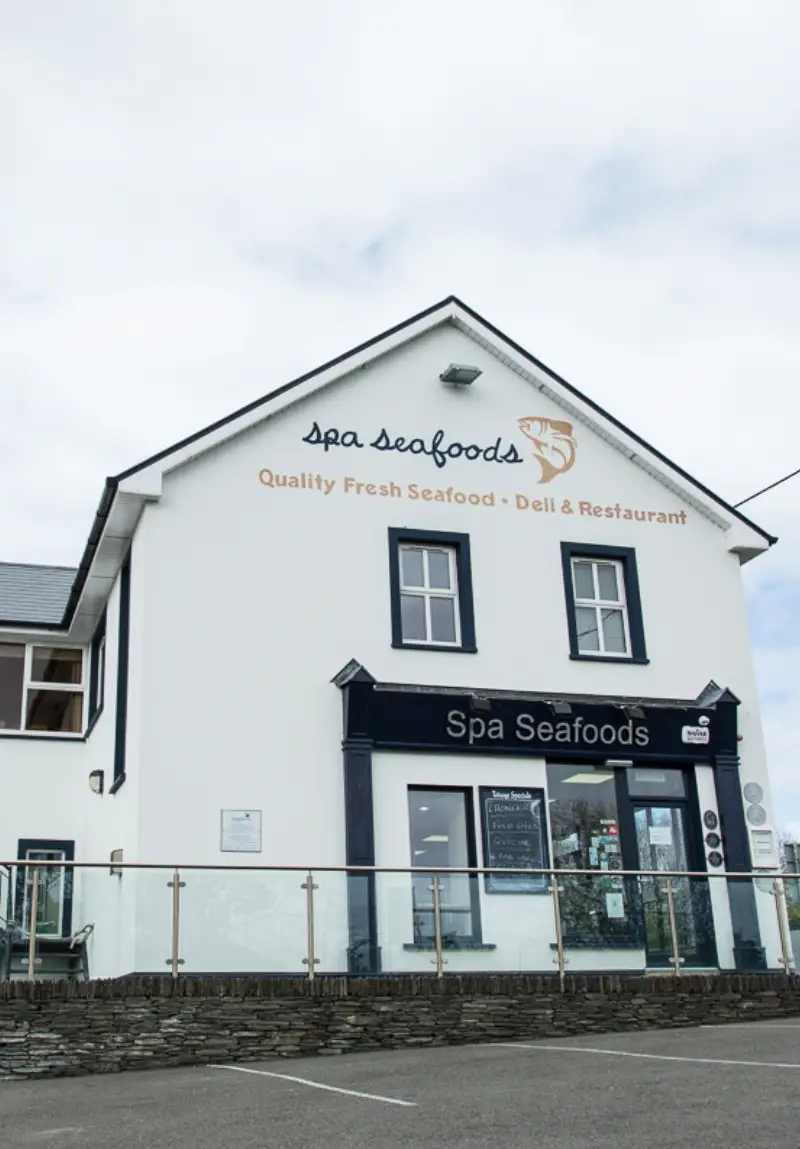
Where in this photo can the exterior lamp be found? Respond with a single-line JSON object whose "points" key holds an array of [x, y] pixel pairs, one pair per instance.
{"points": [[96, 779], [559, 707], [634, 711], [459, 375]]}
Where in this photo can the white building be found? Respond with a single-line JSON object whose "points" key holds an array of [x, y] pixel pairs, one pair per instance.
{"points": [[397, 612]]}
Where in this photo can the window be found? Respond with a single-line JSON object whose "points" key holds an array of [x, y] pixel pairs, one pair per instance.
{"points": [[41, 688], [604, 614], [431, 591], [442, 835], [597, 909]]}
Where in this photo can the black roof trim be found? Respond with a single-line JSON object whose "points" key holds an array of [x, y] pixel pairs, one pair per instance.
{"points": [[113, 482], [452, 299]]}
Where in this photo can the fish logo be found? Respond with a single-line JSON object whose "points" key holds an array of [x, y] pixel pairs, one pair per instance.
{"points": [[553, 444]]}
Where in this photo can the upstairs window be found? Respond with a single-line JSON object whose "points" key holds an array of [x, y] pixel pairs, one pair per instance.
{"points": [[604, 611], [431, 591], [41, 688]]}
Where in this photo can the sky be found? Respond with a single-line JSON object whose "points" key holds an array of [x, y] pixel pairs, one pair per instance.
{"points": [[200, 201]]}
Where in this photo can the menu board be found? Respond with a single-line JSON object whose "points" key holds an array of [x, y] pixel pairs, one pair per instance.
{"points": [[514, 834]]}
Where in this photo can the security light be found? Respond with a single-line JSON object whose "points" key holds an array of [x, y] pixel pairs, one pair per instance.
{"points": [[96, 779], [478, 702], [633, 711], [460, 375], [560, 707]]}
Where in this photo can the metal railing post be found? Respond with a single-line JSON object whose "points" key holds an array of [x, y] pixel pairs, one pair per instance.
{"points": [[437, 925], [779, 893], [175, 961], [310, 960], [560, 957], [32, 931], [676, 958]]}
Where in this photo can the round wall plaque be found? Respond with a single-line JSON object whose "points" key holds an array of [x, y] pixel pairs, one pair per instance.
{"points": [[711, 820], [753, 792], [765, 885], [715, 858], [756, 815], [713, 841]]}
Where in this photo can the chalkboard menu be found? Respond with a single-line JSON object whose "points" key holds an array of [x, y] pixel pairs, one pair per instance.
{"points": [[514, 832]]}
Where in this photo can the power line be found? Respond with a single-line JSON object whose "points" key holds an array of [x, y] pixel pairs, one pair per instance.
{"points": [[764, 490]]}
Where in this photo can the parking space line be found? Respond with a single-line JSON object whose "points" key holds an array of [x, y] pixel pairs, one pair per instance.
{"points": [[317, 1085], [752, 1025], [650, 1056]]}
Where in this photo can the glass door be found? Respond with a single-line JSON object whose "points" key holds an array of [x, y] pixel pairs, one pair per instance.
{"points": [[663, 844], [50, 898]]}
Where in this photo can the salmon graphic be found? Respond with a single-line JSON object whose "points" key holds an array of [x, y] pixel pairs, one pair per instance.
{"points": [[554, 445]]}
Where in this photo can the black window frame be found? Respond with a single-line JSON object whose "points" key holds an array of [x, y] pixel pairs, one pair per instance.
{"points": [[626, 556], [97, 674], [466, 609], [475, 939]]}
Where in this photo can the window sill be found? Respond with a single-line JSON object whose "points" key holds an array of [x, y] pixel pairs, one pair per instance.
{"points": [[41, 736], [463, 945], [430, 646], [574, 943], [636, 660]]}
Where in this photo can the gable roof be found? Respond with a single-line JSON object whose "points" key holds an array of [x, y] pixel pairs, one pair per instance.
{"points": [[451, 309], [34, 595]]}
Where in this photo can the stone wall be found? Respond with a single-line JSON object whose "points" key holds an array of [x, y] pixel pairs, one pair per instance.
{"points": [[61, 1028]]}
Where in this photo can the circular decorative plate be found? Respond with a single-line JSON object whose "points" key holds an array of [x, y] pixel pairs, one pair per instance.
{"points": [[711, 820], [753, 792], [756, 815], [713, 841], [765, 885], [715, 858]]}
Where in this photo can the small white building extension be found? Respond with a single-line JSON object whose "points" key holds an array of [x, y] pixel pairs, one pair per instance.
{"points": [[427, 605]]}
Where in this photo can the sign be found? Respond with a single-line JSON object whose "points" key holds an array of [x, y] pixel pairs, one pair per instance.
{"points": [[241, 832], [696, 735], [514, 838], [660, 835]]}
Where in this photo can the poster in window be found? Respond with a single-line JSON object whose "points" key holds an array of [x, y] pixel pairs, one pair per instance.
{"points": [[514, 834]]}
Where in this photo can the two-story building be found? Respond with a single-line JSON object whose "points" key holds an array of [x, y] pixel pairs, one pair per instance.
{"points": [[428, 605]]}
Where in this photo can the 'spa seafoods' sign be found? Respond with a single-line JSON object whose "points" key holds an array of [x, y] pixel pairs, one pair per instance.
{"points": [[474, 730]]}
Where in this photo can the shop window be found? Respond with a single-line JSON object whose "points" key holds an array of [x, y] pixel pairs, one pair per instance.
{"points": [[604, 615], [648, 782], [442, 836], [431, 591], [597, 909], [41, 688]]}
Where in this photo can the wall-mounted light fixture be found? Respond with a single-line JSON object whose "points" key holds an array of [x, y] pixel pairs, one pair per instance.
{"points": [[618, 762], [478, 702], [96, 781], [459, 375], [116, 863], [559, 707], [634, 712]]}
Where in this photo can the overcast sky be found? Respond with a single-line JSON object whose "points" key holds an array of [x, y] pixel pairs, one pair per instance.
{"points": [[200, 200]]}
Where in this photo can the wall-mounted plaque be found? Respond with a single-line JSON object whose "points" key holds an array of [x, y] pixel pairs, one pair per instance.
{"points": [[241, 832], [756, 815], [713, 841], [715, 858], [710, 820], [514, 838], [753, 792]]}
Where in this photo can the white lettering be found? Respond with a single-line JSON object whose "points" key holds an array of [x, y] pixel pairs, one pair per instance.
{"points": [[456, 727]]}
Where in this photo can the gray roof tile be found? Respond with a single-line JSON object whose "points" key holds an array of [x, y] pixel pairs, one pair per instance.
{"points": [[34, 594]]}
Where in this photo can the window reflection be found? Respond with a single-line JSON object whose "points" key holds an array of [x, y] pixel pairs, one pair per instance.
{"points": [[441, 829]]}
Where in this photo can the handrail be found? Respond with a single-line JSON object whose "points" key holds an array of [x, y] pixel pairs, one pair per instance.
{"points": [[772, 872]]}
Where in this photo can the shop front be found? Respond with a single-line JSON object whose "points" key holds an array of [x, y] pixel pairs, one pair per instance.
{"points": [[489, 779]]}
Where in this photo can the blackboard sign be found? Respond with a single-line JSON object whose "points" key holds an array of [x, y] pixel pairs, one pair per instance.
{"points": [[514, 832]]}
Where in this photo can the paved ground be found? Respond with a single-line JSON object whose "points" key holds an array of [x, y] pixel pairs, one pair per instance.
{"points": [[705, 1088]]}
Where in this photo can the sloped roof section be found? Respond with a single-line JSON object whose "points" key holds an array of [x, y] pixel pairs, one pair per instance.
{"points": [[34, 595]]}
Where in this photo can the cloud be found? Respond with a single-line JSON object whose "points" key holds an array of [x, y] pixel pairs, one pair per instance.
{"points": [[197, 205]]}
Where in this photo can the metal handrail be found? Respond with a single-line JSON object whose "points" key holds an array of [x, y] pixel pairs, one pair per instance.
{"points": [[508, 871]]}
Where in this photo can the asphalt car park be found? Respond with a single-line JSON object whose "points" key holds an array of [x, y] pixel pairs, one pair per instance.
{"points": [[711, 1087]]}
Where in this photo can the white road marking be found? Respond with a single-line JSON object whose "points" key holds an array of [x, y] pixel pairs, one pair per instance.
{"points": [[754, 1024], [317, 1085], [651, 1056]]}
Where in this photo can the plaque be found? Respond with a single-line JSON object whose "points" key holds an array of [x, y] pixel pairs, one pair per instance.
{"points": [[713, 841], [753, 792], [241, 832], [715, 858], [710, 820]]}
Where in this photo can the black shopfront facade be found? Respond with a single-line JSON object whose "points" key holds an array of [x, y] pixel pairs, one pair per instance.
{"points": [[642, 752]]}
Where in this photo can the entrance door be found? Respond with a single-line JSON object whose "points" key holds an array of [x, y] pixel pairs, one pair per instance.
{"points": [[54, 894], [664, 843]]}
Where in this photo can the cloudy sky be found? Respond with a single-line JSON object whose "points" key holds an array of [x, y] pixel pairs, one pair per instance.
{"points": [[200, 200]]}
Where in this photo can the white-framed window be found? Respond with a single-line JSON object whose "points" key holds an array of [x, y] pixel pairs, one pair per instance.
{"points": [[429, 607], [42, 688], [601, 610]]}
